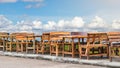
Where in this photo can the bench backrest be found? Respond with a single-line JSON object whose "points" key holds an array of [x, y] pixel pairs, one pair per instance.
{"points": [[22, 36], [97, 38], [56, 35], [114, 36]]}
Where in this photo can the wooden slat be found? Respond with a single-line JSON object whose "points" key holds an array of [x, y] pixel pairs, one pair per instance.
{"points": [[114, 37], [59, 33], [113, 33]]}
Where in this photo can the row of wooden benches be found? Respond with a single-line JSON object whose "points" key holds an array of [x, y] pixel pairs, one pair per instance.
{"points": [[62, 43]]}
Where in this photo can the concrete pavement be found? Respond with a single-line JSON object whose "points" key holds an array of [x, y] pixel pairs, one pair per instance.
{"points": [[99, 62], [14, 62]]}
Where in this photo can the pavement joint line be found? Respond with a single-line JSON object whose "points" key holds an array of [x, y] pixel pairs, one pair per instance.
{"points": [[105, 63]]}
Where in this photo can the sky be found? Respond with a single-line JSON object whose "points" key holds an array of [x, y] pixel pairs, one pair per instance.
{"points": [[59, 15]]}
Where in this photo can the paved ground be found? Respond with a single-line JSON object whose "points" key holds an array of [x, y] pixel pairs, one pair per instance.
{"points": [[14, 62]]}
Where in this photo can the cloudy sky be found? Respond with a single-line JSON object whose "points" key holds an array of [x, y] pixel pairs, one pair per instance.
{"points": [[59, 15]]}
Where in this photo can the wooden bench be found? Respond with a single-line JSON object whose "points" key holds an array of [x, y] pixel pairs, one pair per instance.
{"points": [[71, 42], [25, 42], [56, 42], [44, 45], [11, 43], [114, 40], [3, 39], [96, 45], [20, 42]]}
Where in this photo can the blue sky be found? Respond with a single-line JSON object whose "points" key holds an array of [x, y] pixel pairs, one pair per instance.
{"points": [[54, 11], [48, 8], [55, 8]]}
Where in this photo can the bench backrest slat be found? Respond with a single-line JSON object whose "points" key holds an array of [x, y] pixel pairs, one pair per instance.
{"points": [[56, 35]]}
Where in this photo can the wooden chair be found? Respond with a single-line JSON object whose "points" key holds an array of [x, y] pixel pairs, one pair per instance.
{"points": [[3, 40], [44, 45], [56, 45], [97, 45], [71, 43], [114, 40]]}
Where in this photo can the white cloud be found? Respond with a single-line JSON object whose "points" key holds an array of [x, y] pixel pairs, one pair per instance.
{"points": [[112, 1], [38, 5], [51, 25], [97, 23], [29, 26], [24, 26], [107, 2], [32, 0], [29, 6], [5, 23], [76, 24], [116, 24], [8, 26], [37, 24], [108, 9], [8, 1]]}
